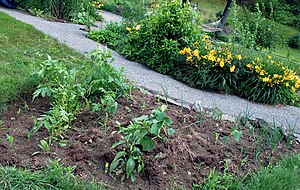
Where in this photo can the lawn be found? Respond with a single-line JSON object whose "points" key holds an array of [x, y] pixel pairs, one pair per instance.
{"points": [[22, 49]]}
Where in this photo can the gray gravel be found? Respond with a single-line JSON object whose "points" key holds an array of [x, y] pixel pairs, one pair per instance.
{"points": [[70, 35]]}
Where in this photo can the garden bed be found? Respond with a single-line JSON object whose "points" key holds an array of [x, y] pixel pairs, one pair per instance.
{"points": [[197, 147]]}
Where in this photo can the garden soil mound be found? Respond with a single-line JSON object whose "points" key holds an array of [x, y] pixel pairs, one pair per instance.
{"points": [[197, 147]]}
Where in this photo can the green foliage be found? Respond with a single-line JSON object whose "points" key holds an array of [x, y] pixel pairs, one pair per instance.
{"points": [[131, 10], [138, 137], [103, 36], [54, 177], [160, 35], [284, 175], [294, 41], [219, 181], [253, 30], [69, 93], [63, 9]]}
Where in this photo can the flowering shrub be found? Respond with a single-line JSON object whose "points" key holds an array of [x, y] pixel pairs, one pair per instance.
{"points": [[258, 77]]}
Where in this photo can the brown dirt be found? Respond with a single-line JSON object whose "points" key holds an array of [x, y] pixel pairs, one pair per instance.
{"points": [[183, 160]]}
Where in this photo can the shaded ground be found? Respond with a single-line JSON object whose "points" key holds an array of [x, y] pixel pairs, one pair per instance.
{"points": [[183, 160]]}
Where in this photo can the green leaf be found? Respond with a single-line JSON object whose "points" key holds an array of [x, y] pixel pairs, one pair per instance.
{"points": [[118, 143], [155, 129], [132, 177], [120, 154], [236, 135], [164, 108], [130, 166], [171, 131], [147, 143], [114, 164]]}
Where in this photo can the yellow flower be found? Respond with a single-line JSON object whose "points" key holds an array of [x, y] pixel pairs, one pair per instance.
{"points": [[297, 85], [266, 79], [232, 68], [211, 57], [275, 76], [128, 29], [196, 53], [249, 66], [262, 72], [269, 56], [229, 56], [222, 63], [189, 58], [287, 84], [239, 57], [293, 89]]}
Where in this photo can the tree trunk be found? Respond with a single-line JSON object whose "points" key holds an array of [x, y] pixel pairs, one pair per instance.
{"points": [[225, 15]]}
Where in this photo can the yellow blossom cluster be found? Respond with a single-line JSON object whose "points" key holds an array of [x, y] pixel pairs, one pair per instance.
{"points": [[268, 70], [97, 4], [134, 28], [217, 57], [278, 74]]}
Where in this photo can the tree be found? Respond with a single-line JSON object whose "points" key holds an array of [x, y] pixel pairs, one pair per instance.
{"points": [[225, 15]]}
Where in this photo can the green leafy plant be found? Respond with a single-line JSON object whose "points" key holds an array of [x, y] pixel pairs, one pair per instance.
{"points": [[138, 137], [69, 93], [10, 139]]}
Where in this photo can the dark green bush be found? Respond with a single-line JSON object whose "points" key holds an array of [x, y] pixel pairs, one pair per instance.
{"points": [[159, 37], [294, 41]]}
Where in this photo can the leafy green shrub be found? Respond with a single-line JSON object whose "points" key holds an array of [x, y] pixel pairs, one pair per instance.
{"points": [[159, 36], [294, 41], [137, 137], [103, 36]]}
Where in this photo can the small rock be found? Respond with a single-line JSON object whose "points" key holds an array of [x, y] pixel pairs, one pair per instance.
{"points": [[189, 173]]}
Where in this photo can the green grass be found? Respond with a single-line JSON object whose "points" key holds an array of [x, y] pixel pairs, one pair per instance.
{"points": [[283, 176], [12, 178], [22, 49]]}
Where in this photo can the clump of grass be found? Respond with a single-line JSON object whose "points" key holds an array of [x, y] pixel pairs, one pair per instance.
{"points": [[15, 178]]}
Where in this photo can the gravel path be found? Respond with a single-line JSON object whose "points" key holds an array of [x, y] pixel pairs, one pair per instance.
{"points": [[70, 35]]}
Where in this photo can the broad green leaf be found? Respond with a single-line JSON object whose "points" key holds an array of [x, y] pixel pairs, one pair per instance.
{"points": [[171, 131], [118, 143], [164, 108], [130, 166], [147, 143], [120, 154], [155, 129], [114, 164], [236, 135]]}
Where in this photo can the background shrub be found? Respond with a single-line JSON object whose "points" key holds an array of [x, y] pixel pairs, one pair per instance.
{"points": [[63, 9], [294, 41]]}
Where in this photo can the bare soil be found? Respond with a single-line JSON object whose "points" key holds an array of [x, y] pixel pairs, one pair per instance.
{"points": [[184, 159]]}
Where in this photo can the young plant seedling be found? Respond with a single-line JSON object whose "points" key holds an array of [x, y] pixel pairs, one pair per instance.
{"points": [[10, 139]]}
